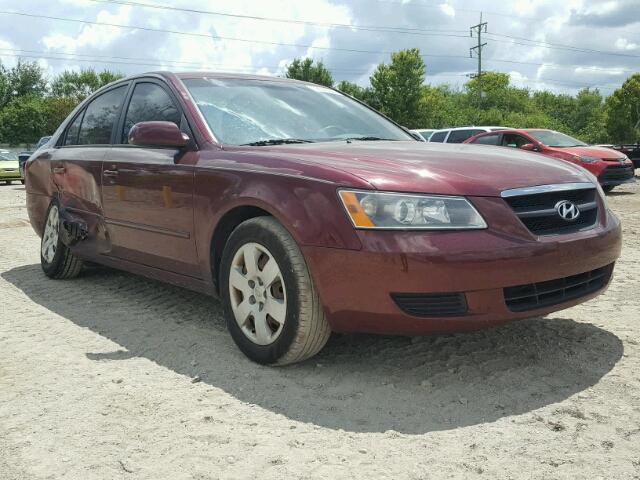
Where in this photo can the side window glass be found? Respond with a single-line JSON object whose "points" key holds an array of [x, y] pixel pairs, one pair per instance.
{"points": [[459, 136], [438, 137], [514, 141], [487, 140], [100, 116], [149, 102], [74, 129]]}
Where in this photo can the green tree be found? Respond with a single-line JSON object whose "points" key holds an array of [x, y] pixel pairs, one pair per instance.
{"points": [[26, 78], [79, 85], [57, 109], [23, 120], [310, 71], [356, 91], [623, 111], [396, 87]]}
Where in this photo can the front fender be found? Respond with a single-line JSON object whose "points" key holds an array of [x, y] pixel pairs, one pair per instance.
{"points": [[309, 209]]}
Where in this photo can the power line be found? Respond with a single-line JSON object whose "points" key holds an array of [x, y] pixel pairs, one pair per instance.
{"points": [[555, 46], [387, 29], [213, 37], [236, 68], [161, 62]]}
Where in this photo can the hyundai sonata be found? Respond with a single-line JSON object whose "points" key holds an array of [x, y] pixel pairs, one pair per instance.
{"points": [[307, 212]]}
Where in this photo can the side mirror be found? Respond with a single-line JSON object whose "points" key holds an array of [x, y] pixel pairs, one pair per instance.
{"points": [[157, 134], [531, 147]]}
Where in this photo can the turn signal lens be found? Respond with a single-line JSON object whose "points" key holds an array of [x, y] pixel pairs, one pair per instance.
{"points": [[383, 210]]}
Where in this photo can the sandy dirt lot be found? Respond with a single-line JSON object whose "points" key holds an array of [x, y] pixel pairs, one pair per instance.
{"points": [[111, 376]]}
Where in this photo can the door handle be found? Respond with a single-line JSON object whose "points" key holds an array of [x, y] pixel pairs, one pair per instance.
{"points": [[110, 173], [59, 170]]}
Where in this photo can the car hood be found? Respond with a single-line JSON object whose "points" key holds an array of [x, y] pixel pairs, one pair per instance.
{"points": [[8, 164], [599, 152], [459, 169]]}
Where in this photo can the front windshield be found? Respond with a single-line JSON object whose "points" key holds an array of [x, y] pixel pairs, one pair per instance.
{"points": [[246, 111], [555, 139], [7, 156]]}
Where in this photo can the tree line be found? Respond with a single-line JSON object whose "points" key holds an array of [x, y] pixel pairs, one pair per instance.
{"points": [[398, 90], [32, 106]]}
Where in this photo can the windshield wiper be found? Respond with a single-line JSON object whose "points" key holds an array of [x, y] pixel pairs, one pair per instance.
{"points": [[368, 139], [276, 141]]}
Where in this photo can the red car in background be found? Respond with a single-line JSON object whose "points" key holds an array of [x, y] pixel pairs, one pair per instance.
{"points": [[611, 167]]}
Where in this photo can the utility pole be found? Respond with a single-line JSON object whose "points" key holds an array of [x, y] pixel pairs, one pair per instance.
{"points": [[478, 30]]}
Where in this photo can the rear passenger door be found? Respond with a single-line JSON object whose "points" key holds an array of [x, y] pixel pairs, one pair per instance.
{"points": [[77, 163], [148, 191]]}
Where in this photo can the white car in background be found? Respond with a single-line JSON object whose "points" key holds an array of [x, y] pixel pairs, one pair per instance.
{"points": [[460, 134], [424, 133]]}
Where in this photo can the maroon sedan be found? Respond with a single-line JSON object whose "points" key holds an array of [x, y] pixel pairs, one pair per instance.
{"points": [[307, 212], [610, 167]]}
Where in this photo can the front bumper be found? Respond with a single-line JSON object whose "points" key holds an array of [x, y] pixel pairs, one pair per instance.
{"points": [[614, 175], [356, 287], [13, 174]]}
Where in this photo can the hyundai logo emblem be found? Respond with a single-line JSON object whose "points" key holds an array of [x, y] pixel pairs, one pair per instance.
{"points": [[567, 210]]}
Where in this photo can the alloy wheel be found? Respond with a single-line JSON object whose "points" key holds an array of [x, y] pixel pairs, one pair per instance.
{"points": [[258, 294], [50, 235]]}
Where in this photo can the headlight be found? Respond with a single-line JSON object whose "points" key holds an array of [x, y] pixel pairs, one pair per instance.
{"points": [[587, 159], [383, 210]]}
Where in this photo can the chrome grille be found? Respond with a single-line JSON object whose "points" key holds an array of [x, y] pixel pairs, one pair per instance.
{"points": [[536, 207]]}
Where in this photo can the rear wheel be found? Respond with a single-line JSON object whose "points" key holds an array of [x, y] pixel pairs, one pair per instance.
{"points": [[22, 182], [56, 259], [7, 182], [273, 311]]}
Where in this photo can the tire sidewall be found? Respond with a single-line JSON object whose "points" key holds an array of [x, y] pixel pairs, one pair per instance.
{"points": [[253, 232], [51, 269]]}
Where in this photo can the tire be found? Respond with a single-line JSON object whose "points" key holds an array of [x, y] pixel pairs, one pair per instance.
{"points": [[56, 258], [22, 182], [280, 278], [7, 182], [608, 188]]}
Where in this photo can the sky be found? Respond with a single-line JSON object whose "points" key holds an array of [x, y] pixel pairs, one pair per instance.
{"points": [[558, 45]]}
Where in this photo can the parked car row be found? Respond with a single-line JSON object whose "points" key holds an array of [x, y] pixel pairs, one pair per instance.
{"points": [[307, 212], [609, 166], [613, 165]]}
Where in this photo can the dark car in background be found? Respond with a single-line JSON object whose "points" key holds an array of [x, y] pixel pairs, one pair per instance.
{"points": [[24, 156], [307, 212], [610, 166]]}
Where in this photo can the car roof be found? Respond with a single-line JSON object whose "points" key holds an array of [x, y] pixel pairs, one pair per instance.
{"points": [[472, 127]]}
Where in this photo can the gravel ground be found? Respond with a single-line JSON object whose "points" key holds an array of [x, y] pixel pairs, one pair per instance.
{"points": [[111, 376]]}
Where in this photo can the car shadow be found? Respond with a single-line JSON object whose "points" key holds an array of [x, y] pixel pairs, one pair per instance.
{"points": [[358, 383], [615, 193]]}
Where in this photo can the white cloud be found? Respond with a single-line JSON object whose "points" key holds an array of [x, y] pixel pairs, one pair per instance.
{"points": [[591, 24]]}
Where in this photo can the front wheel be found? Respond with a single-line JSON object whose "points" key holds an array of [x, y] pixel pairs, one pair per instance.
{"points": [[273, 311], [56, 259], [608, 188]]}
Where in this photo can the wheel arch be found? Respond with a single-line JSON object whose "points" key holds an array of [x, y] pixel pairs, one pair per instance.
{"points": [[228, 222]]}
